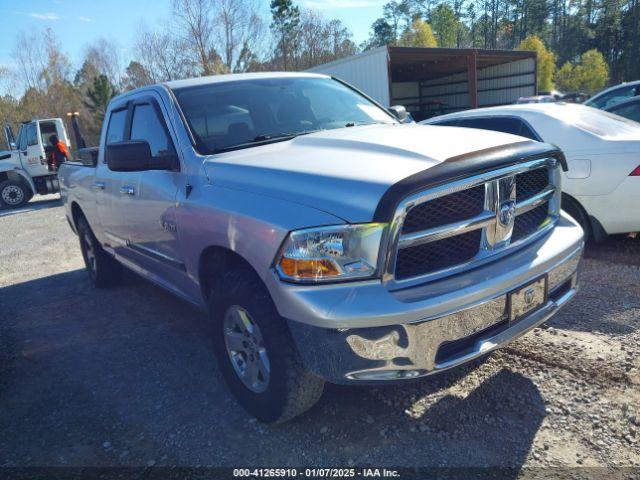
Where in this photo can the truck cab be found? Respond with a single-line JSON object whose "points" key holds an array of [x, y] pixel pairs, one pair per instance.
{"points": [[23, 168]]}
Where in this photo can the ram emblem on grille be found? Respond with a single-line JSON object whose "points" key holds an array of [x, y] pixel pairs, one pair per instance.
{"points": [[507, 213]]}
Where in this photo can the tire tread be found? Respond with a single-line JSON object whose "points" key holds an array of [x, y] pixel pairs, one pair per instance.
{"points": [[302, 388]]}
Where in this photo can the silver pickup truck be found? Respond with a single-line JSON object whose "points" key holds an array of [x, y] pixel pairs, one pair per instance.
{"points": [[328, 240]]}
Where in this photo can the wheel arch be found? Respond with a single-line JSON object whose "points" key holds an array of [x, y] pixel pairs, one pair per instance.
{"points": [[18, 176], [215, 260], [76, 213], [570, 198], [596, 230]]}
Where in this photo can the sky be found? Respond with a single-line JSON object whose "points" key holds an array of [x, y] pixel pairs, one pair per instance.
{"points": [[77, 23]]}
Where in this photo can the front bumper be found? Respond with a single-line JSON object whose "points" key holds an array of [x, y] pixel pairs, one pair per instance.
{"points": [[364, 332]]}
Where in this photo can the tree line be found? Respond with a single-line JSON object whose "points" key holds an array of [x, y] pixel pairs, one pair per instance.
{"points": [[581, 45], [203, 37]]}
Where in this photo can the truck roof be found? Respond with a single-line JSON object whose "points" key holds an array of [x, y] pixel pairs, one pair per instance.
{"points": [[229, 77], [235, 77]]}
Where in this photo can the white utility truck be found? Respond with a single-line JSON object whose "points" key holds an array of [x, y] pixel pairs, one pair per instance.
{"points": [[23, 168]]}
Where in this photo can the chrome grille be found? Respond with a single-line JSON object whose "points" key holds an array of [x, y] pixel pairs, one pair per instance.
{"points": [[453, 227], [440, 254], [531, 183], [445, 210], [529, 222]]}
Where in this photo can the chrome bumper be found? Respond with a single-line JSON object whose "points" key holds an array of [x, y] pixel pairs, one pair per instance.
{"points": [[425, 339], [409, 349]]}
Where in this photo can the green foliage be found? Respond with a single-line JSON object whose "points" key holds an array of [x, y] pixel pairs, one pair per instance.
{"points": [[383, 34], [98, 96], [590, 75], [546, 61], [566, 79], [594, 72], [446, 25], [418, 34]]}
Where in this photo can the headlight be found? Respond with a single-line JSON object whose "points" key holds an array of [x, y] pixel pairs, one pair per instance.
{"points": [[326, 254]]}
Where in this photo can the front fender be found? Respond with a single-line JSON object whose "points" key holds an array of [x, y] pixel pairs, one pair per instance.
{"points": [[251, 225], [18, 174]]}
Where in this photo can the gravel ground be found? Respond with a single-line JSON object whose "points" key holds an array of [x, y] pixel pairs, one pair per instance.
{"points": [[126, 377]]}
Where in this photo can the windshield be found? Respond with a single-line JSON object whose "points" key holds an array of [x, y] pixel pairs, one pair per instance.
{"points": [[229, 115]]}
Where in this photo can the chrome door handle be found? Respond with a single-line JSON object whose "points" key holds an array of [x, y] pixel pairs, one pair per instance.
{"points": [[128, 190], [99, 185]]}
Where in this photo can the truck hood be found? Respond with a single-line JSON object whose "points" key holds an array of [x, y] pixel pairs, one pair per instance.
{"points": [[345, 172]]}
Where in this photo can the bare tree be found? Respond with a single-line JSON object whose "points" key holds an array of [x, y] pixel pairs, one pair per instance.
{"points": [[319, 41], [239, 30], [104, 55], [135, 75], [163, 56], [196, 29], [30, 59]]}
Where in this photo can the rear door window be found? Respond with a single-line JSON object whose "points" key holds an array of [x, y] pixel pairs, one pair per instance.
{"points": [[146, 125], [115, 130]]}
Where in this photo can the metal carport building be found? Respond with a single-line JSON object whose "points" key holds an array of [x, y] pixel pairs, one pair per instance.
{"points": [[429, 81]]}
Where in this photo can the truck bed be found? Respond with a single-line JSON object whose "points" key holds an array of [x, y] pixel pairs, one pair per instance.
{"points": [[77, 178]]}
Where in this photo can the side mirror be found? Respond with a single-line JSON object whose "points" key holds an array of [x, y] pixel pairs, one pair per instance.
{"points": [[135, 156], [400, 113], [9, 137], [88, 156]]}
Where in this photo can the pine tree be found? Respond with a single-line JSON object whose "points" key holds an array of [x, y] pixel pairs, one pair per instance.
{"points": [[98, 96], [285, 20], [446, 25]]}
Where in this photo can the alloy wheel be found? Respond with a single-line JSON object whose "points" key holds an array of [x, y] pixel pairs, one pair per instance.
{"points": [[245, 347], [89, 252]]}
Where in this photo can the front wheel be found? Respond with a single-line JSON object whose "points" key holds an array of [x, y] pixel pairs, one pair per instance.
{"points": [[104, 270], [14, 194], [255, 351]]}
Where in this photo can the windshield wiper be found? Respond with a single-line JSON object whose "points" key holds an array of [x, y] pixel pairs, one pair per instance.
{"points": [[264, 139]]}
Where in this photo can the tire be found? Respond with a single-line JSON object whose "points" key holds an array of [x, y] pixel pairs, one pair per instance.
{"points": [[104, 270], [14, 194], [288, 388], [573, 208]]}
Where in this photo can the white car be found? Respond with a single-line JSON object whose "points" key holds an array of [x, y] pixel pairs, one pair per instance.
{"points": [[601, 188]]}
